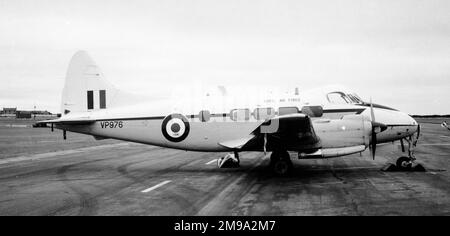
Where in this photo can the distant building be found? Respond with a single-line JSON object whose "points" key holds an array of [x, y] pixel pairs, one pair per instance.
{"points": [[23, 114], [41, 112], [9, 111]]}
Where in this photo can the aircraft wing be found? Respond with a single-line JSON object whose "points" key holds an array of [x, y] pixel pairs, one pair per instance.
{"points": [[292, 132]]}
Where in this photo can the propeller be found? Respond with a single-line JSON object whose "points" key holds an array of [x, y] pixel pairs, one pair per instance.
{"points": [[376, 128]]}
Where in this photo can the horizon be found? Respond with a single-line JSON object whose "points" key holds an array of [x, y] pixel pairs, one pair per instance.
{"points": [[397, 52]]}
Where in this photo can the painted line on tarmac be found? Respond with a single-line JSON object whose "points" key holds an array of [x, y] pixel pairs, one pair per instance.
{"points": [[211, 207], [156, 186], [434, 144], [16, 126], [59, 153], [210, 162]]}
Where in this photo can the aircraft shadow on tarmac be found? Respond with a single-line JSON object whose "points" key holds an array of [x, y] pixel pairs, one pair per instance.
{"points": [[263, 171]]}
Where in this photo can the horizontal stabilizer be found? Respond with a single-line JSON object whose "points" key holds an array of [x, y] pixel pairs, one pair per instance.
{"points": [[68, 121]]}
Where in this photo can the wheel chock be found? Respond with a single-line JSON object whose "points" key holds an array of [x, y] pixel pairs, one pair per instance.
{"points": [[389, 167], [418, 167]]}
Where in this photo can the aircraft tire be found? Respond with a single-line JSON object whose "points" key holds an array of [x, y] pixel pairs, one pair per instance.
{"points": [[403, 163], [281, 163]]}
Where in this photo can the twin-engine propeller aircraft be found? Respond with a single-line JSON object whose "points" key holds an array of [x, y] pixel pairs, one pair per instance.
{"points": [[321, 124]]}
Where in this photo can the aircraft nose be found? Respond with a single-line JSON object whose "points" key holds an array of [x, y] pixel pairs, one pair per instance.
{"points": [[404, 119], [412, 120], [392, 117], [415, 125], [400, 125]]}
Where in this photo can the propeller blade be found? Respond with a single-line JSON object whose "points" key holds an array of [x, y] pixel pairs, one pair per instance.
{"points": [[265, 143], [376, 128], [372, 113], [374, 142]]}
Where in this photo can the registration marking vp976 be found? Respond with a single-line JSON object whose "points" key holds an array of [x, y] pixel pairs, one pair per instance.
{"points": [[111, 124]]}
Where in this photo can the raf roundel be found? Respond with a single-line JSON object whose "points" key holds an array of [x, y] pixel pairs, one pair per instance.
{"points": [[175, 127]]}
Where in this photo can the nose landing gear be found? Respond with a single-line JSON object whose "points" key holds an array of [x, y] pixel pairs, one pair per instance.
{"points": [[407, 163]]}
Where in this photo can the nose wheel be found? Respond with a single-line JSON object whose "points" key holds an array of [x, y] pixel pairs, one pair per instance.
{"points": [[404, 163]]}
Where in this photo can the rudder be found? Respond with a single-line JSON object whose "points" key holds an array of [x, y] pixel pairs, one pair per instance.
{"points": [[85, 87]]}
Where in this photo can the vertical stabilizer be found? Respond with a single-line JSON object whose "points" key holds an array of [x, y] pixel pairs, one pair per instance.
{"points": [[85, 87]]}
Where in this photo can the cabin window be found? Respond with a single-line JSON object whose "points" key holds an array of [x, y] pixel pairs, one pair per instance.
{"points": [[313, 111], [240, 114], [287, 110], [264, 113], [102, 99], [204, 116], [90, 100]]}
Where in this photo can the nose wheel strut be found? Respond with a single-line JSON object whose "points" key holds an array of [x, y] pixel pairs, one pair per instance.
{"points": [[408, 162]]}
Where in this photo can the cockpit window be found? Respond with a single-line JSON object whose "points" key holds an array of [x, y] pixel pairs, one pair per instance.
{"points": [[342, 98], [353, 98], [338, 98], [358, 97]]}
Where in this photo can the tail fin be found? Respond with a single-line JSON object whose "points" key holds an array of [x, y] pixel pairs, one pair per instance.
{"points": [[85, 88]]}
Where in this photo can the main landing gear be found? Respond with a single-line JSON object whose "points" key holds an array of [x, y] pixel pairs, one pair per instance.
{"points": [[231, 160], [280, 163]]}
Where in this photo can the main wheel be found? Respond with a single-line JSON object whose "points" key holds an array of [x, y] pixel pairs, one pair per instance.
{"points": [[404, 163], [282, 167], [280, 163]]}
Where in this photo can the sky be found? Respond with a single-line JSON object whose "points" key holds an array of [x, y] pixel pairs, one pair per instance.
{"points": [[396, 52]]}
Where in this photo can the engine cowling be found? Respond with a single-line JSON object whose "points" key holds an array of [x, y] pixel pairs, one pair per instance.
{"points": [[340, 137]]}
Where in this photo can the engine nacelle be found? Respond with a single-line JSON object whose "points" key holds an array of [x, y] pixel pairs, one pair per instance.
{"points": [[332, 152], [346, 132], [345, 136]]}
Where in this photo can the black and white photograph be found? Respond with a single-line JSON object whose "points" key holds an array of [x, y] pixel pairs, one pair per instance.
{"points": [[237, 108]]}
